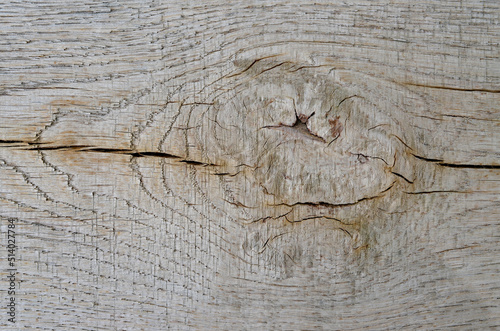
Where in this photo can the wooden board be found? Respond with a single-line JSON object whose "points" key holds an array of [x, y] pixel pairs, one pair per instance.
{"points": [[250, 165]]}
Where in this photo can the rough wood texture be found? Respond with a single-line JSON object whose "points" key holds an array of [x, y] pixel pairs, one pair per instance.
{"points": [[253, 165]]}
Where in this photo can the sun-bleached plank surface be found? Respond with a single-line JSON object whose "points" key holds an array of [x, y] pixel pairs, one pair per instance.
{"points": [[251, 165]]}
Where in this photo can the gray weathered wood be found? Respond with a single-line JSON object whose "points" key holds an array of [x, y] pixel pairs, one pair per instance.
{"points": [[251, 165]]}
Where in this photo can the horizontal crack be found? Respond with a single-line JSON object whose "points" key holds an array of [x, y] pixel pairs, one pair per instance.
{"points": [[401, 176], [192, 162], [299, 128], [455, 88], [133, 153], [342, 227], [362, 156], [457, 248], [332, 205], [322, 217], [252, 64], [327, 204], [13, 141], [437, 191], [52, 148], [457, 165], [426, 159], [265, 218], [472, 166], [155, 154]]}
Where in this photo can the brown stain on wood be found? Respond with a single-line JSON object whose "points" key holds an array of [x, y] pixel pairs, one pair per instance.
{"points": [[336, 127]]}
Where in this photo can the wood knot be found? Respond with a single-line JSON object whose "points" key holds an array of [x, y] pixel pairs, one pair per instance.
{"points": [[289, 125]]}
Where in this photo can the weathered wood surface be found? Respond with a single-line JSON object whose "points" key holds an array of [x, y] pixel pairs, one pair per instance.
{"points": [[252, 165]]}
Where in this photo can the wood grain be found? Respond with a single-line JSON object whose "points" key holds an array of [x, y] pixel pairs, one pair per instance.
{"points": [[251, 165]]}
